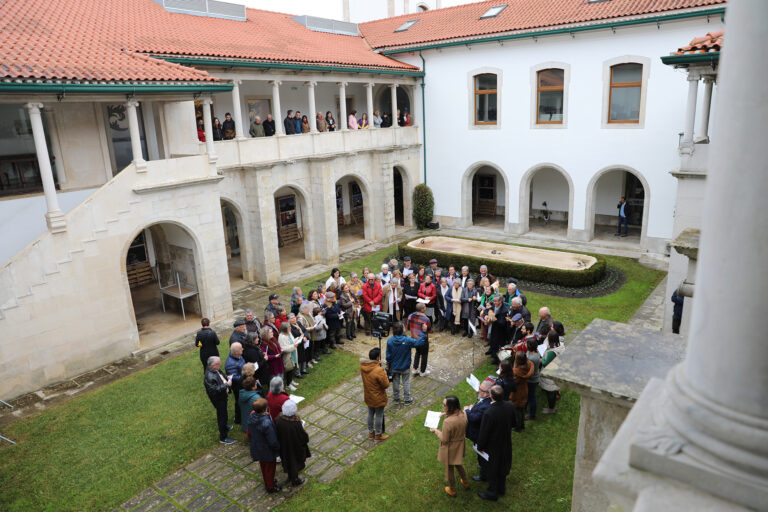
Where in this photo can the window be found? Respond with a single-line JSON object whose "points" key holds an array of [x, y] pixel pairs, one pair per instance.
{"points": [[485, 99], [625, 90], [549, 96], [405, 26], [493, 11], [422, 8]]}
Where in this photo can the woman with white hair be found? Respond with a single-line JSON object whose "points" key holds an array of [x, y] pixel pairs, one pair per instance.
{"points": [[276, 396], [294, 442]]}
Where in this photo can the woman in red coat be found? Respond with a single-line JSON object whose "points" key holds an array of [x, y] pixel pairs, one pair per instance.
{"points": [[372, 293]]}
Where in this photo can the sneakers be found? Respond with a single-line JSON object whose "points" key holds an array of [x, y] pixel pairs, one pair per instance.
{"points": [[227, 441], [425, 373], [547, 410], [310, 365], [292, 387], [415, 372], [381, 437], [408, 402]]}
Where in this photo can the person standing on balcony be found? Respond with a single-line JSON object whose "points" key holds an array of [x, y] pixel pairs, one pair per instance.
{"points": [[352, 120], [289, 124], [331, 121], [364, 122], [406, 118], [257, 129], [228, 128], [322, 126], [376, 119], [269, 126], [200, 130], [304, 124], [624, 211], [386, 120], [217, 133], [297, 122]]}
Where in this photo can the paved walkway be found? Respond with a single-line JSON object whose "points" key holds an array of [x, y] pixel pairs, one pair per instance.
{"points": [[651, 314], [227, 480]]}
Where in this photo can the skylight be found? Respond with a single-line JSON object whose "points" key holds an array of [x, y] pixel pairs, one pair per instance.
{"points": [[405, 26], [493, 11]]}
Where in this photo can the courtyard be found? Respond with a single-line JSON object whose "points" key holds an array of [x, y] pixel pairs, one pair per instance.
{"points": [[147, 441]]}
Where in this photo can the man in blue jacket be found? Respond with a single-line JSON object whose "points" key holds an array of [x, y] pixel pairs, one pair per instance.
{"points": [[234, 369], [474, 414], [399, 360]]}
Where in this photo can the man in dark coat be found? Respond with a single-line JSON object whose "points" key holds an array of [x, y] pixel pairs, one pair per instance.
{"points": [[253, 354], [228, 127], [495, 439], [217, 388], [252, 324], [518, 307], [238, 335], [264, 445], [474, 414], [206, 340], [499, 326], [269, 126], [545, 323], [294, 442], [289, 123]]}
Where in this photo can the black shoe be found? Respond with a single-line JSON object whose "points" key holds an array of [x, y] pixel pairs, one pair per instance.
{"points": [[479, 478], [230, 427], [326, 351], [408, 402], [275, 489], [298, 482], [340, 342], [487, 496], [617, 234], [624, 235], [349, 338], [305, 372], [299, 376], [354, 336], [333, 347], [489, 352]]}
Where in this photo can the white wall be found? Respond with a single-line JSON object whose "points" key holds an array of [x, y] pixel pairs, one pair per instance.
{"points": [[84, 157], [550, 186], [610, 188], [584, 147], [22, 220]]}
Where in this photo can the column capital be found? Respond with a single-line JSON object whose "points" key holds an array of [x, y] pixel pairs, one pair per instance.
{"points": [[275, 83], [394, 86], [33, 106], [310, 83], [369, 85], [206, 101], [236, 83], [693, 76], [708, 79], [342, 84], [132, 102]]}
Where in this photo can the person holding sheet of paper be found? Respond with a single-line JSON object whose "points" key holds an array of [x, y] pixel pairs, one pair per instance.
{"points": [[495, 439], [372, 294], [474, 414], [333, 316], [419, 323], [469, 298], [428, 294], [452, 447], [392, 299]]}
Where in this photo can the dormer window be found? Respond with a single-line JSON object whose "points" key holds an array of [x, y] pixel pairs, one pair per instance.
{"points": [[405, 26], [493, 11]]}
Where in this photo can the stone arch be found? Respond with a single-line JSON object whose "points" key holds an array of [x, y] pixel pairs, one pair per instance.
{"points": [[466, 192], [589, 220], [407, 192], [382, 99], [303, 207], [242, 235], [365, 189], [525, 194]]}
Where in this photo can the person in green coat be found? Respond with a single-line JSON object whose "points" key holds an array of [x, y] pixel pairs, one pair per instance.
{"points": [[257, 129], [248, 395]]}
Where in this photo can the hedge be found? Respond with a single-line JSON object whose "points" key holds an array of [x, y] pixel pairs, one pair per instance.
{"points": [[535, 273], [423, 205]]}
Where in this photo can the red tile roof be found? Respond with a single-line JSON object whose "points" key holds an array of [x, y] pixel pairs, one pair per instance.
{"points": [[463, 21], [712, 42], [103, 40]]}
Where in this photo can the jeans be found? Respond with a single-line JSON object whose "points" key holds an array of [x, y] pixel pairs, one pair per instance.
{"points": [[405, 377], [378, 413], [532, 399], [422, 353], [221, 417], [623, 220]]}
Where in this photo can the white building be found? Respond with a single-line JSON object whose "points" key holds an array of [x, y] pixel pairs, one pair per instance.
{"points": [[112, 206]]}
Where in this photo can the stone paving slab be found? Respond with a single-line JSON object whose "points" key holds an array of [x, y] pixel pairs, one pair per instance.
{"points": [[227, 480]]}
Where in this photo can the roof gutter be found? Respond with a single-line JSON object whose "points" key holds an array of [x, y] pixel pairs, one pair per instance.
{"points": [[719, 11], [196, 61], [685, 59], [110, 87]]}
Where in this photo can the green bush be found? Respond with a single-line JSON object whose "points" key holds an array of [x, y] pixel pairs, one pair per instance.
{"points": [[533, 273], [423, 205]]}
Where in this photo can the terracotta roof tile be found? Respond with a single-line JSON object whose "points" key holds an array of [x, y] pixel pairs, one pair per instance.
{"points": [[104, 40], [463, 21], [712, 42]]}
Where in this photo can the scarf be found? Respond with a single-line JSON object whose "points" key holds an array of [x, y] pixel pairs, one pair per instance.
{"points": [[456, 294]]}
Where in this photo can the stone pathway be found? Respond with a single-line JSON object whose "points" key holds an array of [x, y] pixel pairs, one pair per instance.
{"points": [[651, 314], [227, 480]]}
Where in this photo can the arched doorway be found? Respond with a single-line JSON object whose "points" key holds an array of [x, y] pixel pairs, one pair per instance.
{"points": [[485, 196], [352, 211], [384, 101], [161, 264], [546, 200], [234, 243], [402, 192], [603, 194], [290, 205]]}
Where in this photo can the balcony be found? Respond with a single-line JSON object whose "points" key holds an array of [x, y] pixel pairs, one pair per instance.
{"points": [[264, 150]]}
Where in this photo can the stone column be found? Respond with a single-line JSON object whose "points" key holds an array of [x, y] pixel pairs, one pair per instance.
{"points": [[277, 113], [133, 128], [686, 146], [343, 105], [710, 430], [706, 107], [237, 110], [393, 90], [311, 115], [54, 217], [208, 126], [369, 102], [324, 221]]}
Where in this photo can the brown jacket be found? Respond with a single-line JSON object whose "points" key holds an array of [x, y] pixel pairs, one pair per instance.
{"points": [[386, 292], [452, 446], [375, 383], [522, 374]]}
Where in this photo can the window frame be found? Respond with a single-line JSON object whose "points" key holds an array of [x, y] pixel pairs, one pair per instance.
{"points": [[540, 88], [622, 85], [485, 92]]}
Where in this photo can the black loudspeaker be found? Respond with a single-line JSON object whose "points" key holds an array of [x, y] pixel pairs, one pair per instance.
{"points": [[381, 323]]}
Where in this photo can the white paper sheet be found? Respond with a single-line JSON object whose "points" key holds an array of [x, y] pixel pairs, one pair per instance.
{"points": [[482, 454], [542, 349], [472, 326], [375, 308], [472, 381], [296, 398], [433, 419], [303, 423], [422, 301], [306, 344]]}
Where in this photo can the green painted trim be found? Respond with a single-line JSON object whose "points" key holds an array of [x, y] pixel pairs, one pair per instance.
{"points": [[110, 88], [540, 33], [196, 61], [691, 58]]}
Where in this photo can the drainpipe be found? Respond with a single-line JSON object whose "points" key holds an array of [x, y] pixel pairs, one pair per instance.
{"points": [[423, 115]]}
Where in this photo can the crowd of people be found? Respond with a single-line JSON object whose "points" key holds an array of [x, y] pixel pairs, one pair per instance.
{"points": [[269, 356], [295, 123]]}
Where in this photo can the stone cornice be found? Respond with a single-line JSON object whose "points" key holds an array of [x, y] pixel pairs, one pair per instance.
{"points": [[169, 185]]}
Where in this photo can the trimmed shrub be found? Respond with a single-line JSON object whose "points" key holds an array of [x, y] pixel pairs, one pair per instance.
{"points": [[423, 205], [533, 273]]}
